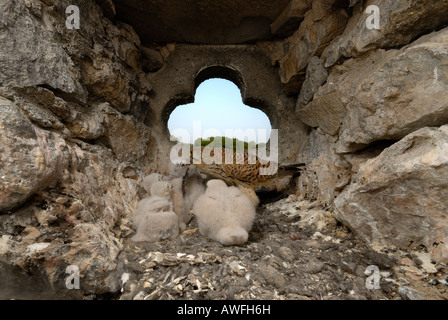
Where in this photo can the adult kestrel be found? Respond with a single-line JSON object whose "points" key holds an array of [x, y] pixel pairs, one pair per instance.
{"points": [[244, 170]]}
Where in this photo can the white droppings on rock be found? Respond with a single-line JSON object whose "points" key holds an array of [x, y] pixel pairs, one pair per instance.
{"points": [[36, 247]]}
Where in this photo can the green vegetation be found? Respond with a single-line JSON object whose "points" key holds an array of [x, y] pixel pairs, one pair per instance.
{"points": [[227, 143]]}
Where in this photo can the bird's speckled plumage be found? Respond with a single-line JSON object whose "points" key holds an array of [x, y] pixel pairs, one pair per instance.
{"points": [[242, 169]]}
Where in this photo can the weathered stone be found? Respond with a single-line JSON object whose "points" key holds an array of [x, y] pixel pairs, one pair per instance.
{"points": [[327, 173], [106, 81], [275, 50], [411, 294], [47, 64], [326, 112], [145, 85], [400, 197], [310, 40], [65, 196], [400, 22], [314, 266], [316, 75], [87, 123], [383, 94], [129, 140], [44, 98], [323, 8], [388, 103], [39, 115], [286, 253], [152, 60], [30, 158], [94, 252], [126, 43], [108, 8]]}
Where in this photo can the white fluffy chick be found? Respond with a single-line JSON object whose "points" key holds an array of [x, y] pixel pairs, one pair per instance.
{"points": [[159, 201], [224, 214], [157, 226], [148, 181]]}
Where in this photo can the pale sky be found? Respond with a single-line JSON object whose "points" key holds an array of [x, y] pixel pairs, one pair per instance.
{"points": [[218, 105]]}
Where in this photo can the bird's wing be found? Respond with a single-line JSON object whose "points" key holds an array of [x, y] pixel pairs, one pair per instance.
{"points": [[245, 173]]}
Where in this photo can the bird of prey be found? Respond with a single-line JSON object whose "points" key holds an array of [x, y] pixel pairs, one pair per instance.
{"points": [[244, 170]]}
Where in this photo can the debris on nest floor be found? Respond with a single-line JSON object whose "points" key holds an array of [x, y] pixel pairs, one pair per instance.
{"points": [[296, 251]]}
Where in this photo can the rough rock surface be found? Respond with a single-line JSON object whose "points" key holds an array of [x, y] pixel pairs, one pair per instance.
{"points": [[47, 63], [320, 26], [400, 22], [83, 118], [296, 251], [42, 157], [68, 175], [201, 22], [388, 102]]}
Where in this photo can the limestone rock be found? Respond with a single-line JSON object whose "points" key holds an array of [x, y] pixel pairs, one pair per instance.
{"points": [[108, 8], [152, 59], [106, 81], [309, 40], [88, 123], [46, 99], [67, 200], [272, 276], [94, 251], [316, 75], [289, 20], [224, 214], [380, 96], [47, 64], [157, 226], [388, 101], [327, 173], [326, 112], [126, 137], [400, 197]]}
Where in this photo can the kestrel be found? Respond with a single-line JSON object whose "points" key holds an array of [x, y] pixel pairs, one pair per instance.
{"points": [[244, 170]]}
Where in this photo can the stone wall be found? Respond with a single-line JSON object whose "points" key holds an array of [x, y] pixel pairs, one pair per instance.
{"points": [[72, 149], [83, 118], [376, 101]]}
